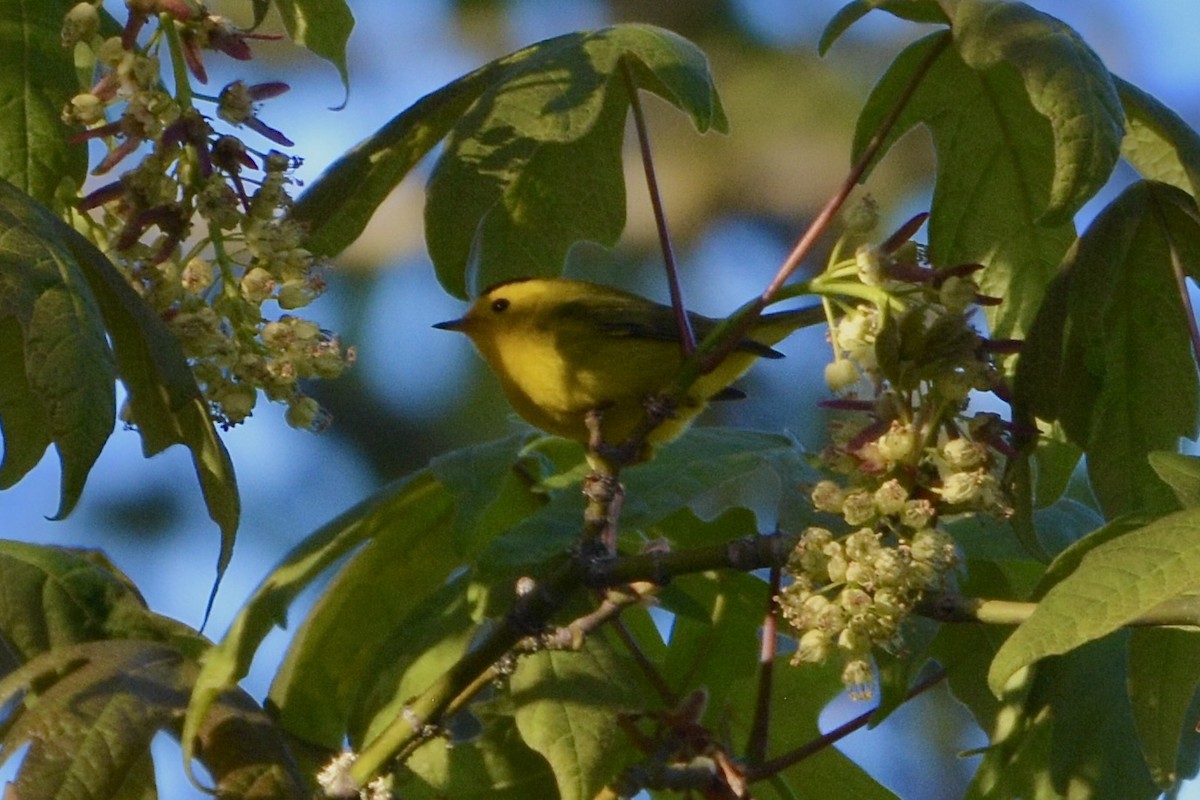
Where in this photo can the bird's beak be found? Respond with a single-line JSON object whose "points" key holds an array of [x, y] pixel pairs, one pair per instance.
{"points": [[452, 324]]}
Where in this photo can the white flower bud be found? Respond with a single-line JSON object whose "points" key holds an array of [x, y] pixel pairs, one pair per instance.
{"points": [[918, 514], [961, 488], [899, 443], [858, 677], [840, 374], [890, 497], [870, 265], [963, 454], [827, 496], [858, 508], [814, 647], [257, 285]]}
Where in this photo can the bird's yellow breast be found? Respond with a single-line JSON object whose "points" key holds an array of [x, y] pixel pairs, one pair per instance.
{"points": [[564, 348]]}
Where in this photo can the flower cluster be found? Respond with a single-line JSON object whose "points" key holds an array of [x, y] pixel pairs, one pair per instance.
{"points": [[906, 452], [201, 226]]}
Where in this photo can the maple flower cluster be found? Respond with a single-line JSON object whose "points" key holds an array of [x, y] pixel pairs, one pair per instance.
{"points": [[201, 225], [905, 452]]}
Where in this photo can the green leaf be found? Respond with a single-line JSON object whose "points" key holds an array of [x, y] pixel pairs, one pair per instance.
{"points": [[710, 470], [852, 12], [1162, 683], [327, 668], [566, 709], [716, 650], [1011, 70], [965, 651], [1181, 473], [63, 378], [799, 694], [535, 164], [497, 765], [323, 26], [706, 470], [54, 597], [1158, 143], [24, 421], [1114, 324], [96, 708], [164, 402], [529, 110], [1048, 744], [37, 78], [1065, 82], [67, 298], [1115, 583], [336, 207], [492, 486], [410, 506]]}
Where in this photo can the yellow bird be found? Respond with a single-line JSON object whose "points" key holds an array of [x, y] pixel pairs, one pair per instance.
{"points": [[562, 348]]}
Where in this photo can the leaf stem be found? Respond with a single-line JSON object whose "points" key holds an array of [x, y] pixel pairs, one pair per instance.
{"points": [[830, 209], [661, 687], [687, 338], [756, 744], [183, 85], [1181, 282], [811, 748]]}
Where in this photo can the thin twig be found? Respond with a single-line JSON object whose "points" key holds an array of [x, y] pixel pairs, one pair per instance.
{"points": [[831, 208], [756, 745], [1181, 282], [687, 338], [808, 749], [827, 213], [661, 687]]}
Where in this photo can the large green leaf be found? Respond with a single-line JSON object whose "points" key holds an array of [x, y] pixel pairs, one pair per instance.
{"points": [[54, 597], [1064, 81], [799, 694], [1114, 326], [318, 686], [1114, 583], [408, 506], [852, 12], [1158, 143], [1050, 743], [1027, 126], [566, 707], [59, 373], [96, 707], [37, 78], [1181, 473], [496, 766], [323, 26], [69, 301], [706, 470], [1162, 683], [336, 207], [535, 164]]}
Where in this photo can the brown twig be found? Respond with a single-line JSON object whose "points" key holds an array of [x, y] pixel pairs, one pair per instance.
{"points": [[808, 749], [831, 208], [661, 687], [687, 338], [756, 744]]}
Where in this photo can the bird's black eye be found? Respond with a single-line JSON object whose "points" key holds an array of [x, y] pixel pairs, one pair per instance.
{"points": [[499, 305]]}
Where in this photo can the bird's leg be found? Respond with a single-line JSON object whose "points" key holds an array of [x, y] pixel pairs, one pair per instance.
{"points": [[601, 487], [659, 409]]}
